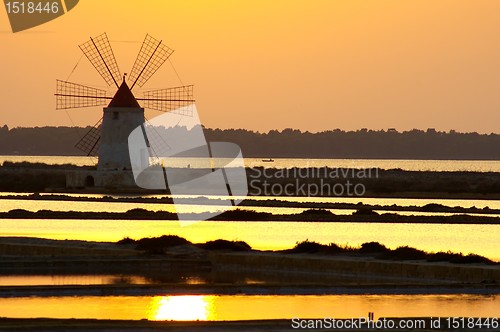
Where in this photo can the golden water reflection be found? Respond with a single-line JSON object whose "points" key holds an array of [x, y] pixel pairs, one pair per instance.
{"points": [[182, 308], [248, 307], [407, 165], [479, 239]]}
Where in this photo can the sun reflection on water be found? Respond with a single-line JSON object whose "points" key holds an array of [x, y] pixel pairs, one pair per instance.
{"points": [[182, 308]]}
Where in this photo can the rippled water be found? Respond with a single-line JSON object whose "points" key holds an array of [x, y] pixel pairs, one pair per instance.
{"points": [[170, 277], [241, 307], [479, 239], [59, 280], [466, 203], [410, 165], [96, 206], [82, 206]]}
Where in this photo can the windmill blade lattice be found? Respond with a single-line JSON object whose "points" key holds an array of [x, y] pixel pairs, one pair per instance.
{"points": [[101, 56], [156, 142], [72, 95], [90, 142], [152, 56], [170, 100]]}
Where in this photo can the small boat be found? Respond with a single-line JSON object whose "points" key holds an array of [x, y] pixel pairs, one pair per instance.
{"points": [[270, 160]]}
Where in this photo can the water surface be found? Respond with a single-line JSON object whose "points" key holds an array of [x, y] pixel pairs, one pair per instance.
{"points": [[409, 165], [245, 307], [268, 235]]}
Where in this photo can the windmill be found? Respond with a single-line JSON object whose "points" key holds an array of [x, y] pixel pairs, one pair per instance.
{"points": [[123, 113]]}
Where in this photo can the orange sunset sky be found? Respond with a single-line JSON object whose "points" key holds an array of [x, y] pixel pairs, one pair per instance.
{"points": [[307, 64]]}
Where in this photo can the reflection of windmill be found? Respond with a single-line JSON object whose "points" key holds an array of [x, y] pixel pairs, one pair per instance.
{"points": [[108, 137]]}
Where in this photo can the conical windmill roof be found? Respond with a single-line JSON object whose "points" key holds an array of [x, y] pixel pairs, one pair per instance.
{"points": [[124, 98]]}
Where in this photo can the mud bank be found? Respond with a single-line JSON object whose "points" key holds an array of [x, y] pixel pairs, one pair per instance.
{"points": [[26, 177]]}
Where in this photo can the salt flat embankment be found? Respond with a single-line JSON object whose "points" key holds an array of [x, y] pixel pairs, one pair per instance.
{"points": [[26, 177], [35, 256], [404, 270]]}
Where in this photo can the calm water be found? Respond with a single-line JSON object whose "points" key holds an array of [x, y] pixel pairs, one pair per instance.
{"points": [[467, 203], [411, 165], [241, 307], [212, 204], [81, 206], [59, 280], [479, 239], [36, 205], [172, 277]]}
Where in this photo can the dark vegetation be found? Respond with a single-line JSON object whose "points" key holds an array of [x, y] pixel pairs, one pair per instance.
{"points": [[288, 143], [365, 212], [377, 182], [308, 247], [316, 209], [29, 177], [40, 166], [314, 215], [225, 245], [159, 245], [380, 251]]}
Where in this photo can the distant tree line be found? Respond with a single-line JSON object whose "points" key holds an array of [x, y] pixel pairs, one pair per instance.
{"points": [[288, 143]]}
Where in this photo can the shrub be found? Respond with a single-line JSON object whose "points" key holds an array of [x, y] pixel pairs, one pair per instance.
{"points": [[405, 253], [442, 256], [226, 245], [316, 212], [365, 212], [433, 207], [157, 245], [334, 248], [126, 241], [239, 214], [471, 259], [308, 247], [458, 258], [373, 248]]}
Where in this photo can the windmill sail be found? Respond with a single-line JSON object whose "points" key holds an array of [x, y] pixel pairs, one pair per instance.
{"points": [[89, 143], [101, 56], [169, 100], [152, 55], [157, 144], [72, 95]]}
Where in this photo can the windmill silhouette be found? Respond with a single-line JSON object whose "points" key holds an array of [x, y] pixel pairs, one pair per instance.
{"points": [[108, 137]]}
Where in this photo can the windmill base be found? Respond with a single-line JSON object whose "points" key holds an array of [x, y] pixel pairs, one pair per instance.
{"points": [[86, 179]]}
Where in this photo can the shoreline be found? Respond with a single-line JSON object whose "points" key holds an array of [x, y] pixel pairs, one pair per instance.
{"points": [[250, 201], [276, 325], [31, 256], [27, 177], [225, 289], [238, 215]]}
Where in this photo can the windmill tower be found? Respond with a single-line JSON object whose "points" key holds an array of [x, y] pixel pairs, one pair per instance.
{"points": [[120, 117], [108, 138]]}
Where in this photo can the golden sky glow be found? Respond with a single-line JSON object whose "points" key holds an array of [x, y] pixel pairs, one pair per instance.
{"points": [[312, 65]]}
